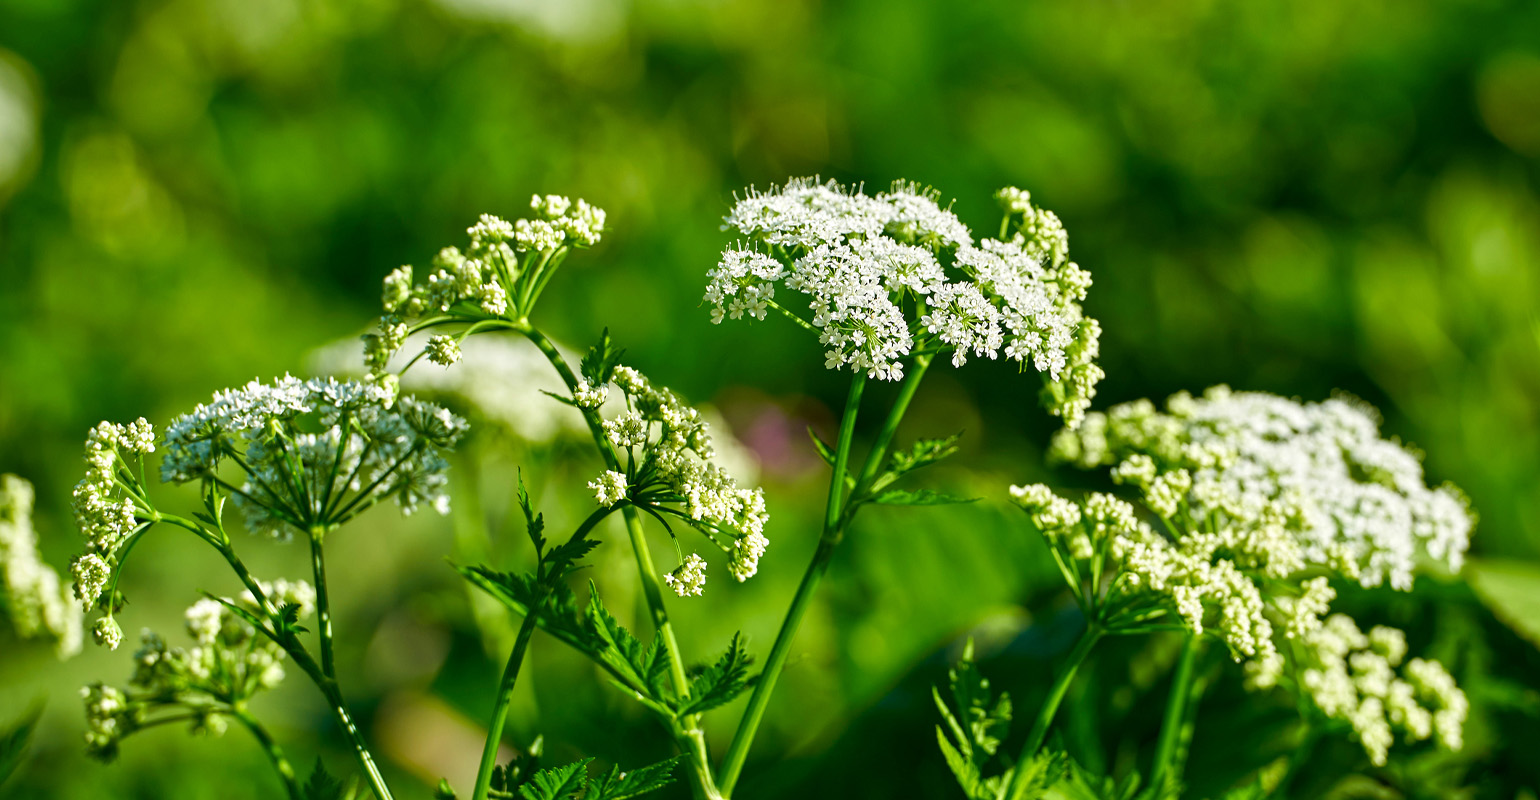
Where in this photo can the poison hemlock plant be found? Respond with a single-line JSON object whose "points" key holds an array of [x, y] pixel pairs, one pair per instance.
{"points": [[1249, 506]]}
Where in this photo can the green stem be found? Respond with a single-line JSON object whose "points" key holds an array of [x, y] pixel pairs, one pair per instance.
{"points": [[323, 607], [738, 751], [1176, 713], [500, 707], [694, 745], [877, 456], [274, 752], [1050, 707]]}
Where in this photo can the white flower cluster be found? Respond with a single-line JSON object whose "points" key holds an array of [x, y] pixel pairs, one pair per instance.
{"points": [[889, 275], [1308, 483], [1352, 676], [109, 506], [317, 452], [31, 594], [669, 454], [499, 275], [1203, 577], [688, 578], [609, 488], [228, 664]]}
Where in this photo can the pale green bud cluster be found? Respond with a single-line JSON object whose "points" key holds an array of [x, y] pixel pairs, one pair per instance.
{"points": [[1351, 676], [499, 276], [37, 603], [229, 663]]}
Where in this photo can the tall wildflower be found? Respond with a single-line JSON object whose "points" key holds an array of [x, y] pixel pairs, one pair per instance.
{"points": [[897, 274], [1251, 503]]}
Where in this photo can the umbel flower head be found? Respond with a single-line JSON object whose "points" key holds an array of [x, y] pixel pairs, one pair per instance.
{"points": [[1361, 679], [229, 663], [38, 604], [315, 453], [499, 276], [1318, 472], [666, 449], [896, 275], [1251, 502]]}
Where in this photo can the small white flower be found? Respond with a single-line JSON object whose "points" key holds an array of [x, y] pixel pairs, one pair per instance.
{"points": [[688, 578], [609, 488], [444, 350]]}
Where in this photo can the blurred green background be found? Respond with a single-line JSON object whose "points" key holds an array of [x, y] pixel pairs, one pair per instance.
{"points": [[1289, 196]]}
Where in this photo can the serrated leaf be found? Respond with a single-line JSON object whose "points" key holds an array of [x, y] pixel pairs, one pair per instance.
{"points": [[598, 365], [13, 742], [919, 497], [720, 682], [617, 785], [534, 523], [562, 558], [519, 769], [322, 785], [923, 453], [557, 783], [644, 665], [555, 609], [973, 731]]}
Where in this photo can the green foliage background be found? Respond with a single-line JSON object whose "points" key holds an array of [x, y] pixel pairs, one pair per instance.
{"points": [[1289, 196]]}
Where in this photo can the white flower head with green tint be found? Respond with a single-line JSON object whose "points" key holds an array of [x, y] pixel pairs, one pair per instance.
{"points": [[895, 275], [37, 603], [1351, 676], [1313, 482], [229, 663], [497, 279], [667, 465], [315, 453]]}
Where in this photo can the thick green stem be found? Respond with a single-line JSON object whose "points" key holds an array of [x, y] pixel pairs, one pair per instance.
{"points": [[500, 707], [1050, 707], [274, 752], [1165, 767], [323, 606], [738, 752]]}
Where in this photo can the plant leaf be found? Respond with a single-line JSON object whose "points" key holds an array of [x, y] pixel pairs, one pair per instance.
{"points": [[922, 453], [972, 733], [646, 666], [534, 523], [827, 454], [13, 742], [324, 786], [919, 497], [617, 785], [720, 682], [598, 366], [557, 783], [555, 610], [1511, 589]]}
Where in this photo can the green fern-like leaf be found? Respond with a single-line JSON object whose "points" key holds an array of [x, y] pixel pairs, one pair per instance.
{"points": [[617, 785], [720, 682]]}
